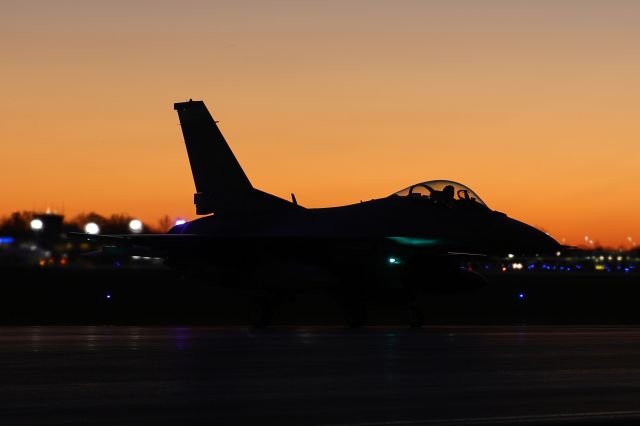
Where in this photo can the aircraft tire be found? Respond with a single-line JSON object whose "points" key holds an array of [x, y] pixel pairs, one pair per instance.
{"points": [[355, 314], [263, 312], [416, 316]]}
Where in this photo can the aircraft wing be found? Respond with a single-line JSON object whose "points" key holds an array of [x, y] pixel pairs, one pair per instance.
{"points": [[155, 245], [459, 254], [134, 239], [169, 245]]}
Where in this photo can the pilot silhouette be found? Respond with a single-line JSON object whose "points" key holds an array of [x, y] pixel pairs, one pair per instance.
{"points": [[447, 193], [445, 196]]}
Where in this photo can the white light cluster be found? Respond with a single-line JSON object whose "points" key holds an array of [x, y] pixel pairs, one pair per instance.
{"points": [[92, 228], [135, 226], [37, 225]]}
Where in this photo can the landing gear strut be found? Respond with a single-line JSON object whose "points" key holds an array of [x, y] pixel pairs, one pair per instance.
{"points": [[264, 311], [355, 313], [416, 316]]}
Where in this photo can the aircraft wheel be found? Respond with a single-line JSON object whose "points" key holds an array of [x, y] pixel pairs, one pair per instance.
{"points": [[355, 314], [416, 316], [264, 312]]}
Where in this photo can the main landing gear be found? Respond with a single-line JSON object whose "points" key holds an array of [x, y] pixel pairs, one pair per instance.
{"points": [[416, 315], [355, 313], [264, 310]]}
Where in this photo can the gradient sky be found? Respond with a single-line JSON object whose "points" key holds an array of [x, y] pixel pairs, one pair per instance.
{"points": [[533, 104]]}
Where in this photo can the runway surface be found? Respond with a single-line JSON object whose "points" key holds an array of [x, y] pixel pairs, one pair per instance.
{"points": [[108, 375]]}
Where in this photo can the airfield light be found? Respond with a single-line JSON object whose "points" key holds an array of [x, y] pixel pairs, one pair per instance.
{"points": [[92, 228], [558, 254], [510, 255], [394, 261], [37, 225], [521, 296], [108, 296], [135, 226], [180, 222]]}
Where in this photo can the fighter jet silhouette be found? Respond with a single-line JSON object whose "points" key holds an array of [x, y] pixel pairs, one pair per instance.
{"points": [[413, 240]]}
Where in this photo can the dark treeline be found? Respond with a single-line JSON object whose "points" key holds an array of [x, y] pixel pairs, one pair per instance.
{"points": [[19, 223]]}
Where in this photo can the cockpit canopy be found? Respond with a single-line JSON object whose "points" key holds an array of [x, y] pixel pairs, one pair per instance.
{"points": [[442, 191]]}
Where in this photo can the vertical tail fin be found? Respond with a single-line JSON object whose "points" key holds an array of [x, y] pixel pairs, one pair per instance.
{"points": [[221, 184], [213, 164]]}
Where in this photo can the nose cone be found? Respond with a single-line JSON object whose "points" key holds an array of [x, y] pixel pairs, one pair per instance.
{"points": [[517, 237]]}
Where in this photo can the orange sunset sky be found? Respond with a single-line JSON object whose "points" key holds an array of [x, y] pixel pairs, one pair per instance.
{"points": [[533, 104]]}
